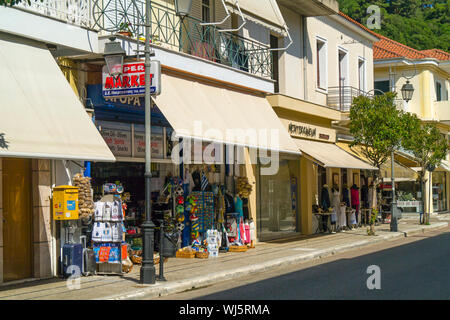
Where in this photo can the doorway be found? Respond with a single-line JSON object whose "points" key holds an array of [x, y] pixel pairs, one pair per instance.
{"points": [[17, 219]]}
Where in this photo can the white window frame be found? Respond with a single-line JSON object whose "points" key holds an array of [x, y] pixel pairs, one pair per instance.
{"points": [[347, 69], [325, 66], [364, 61]]}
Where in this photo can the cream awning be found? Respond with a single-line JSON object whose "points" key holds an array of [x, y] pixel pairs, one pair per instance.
{"points": [[401, 172], [211, 113], [266, 13], [40, 115], [329, 155]]}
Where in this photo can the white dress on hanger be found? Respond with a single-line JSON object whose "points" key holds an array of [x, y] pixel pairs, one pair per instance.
{"points": [[336, 201], [342, 221]]}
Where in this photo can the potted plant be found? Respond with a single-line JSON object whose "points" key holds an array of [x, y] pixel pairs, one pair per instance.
{"points": [[124, 29]]}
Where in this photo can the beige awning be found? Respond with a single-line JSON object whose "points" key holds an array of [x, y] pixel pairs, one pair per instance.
{"points": [[401, 172], [329, 155], [210, 113], [40, 115], [266, 13]]}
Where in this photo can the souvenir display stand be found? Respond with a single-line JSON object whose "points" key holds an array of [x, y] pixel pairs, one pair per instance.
{"points": [[107, 234]]}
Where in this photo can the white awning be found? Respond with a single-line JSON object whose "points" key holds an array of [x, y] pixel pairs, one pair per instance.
{"points": [[330, 155], [40, 115], [212, 113], [266, 13]]}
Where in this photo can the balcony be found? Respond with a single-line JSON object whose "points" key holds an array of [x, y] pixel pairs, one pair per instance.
{"points": [[186, 35], [76, 12], [442, 111], [341, 98]]}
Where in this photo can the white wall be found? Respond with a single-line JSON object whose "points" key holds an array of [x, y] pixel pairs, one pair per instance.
{"points": [[337, 35]]}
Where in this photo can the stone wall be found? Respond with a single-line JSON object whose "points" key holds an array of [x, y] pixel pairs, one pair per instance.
{"points": [[42, 233]]}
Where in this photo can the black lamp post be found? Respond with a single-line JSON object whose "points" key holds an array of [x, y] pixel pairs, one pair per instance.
{"points": [[407, 93]]}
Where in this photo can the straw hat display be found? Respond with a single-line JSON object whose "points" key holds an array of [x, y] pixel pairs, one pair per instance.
{"points": [[243, 187], [85, 201]]}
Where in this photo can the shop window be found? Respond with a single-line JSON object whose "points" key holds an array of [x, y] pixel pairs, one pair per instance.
{"points": [[439, 192], [278, 205], [157, 142]]}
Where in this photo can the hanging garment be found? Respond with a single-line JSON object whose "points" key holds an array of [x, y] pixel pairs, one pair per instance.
{"points": [[97, 231], [229, 203], [107, 234], [355, 195], [116, 232], [116, 211], [346, 197], [365, 196], [99, 209], [252, 230], [239, 206], [108, 211], [336, 202], [325, 199], [352, 217], [342, 221]]}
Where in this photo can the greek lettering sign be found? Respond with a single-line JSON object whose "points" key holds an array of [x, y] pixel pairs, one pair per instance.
{"points": [[132, 80], [309, 131]]}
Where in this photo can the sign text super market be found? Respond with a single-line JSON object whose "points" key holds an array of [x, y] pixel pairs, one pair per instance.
{"points": [[132, 80]]}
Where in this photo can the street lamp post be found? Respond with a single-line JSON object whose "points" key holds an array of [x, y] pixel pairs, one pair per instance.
{"points": [[147, 275], [407, 93]]}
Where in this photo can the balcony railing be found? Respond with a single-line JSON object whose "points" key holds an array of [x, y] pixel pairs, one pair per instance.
{"points": [[77, 12], [186, 35], [341, 98]]}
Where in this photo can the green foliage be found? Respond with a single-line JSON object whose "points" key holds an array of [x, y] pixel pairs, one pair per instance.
{"points": [[424, 140], [416, 23], [375, 125]]}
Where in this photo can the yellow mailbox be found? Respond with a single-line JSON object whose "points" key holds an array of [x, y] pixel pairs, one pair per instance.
{"points": [[65, 203]]}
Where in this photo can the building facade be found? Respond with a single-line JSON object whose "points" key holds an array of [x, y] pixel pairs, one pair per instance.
{"points": [[428, 72]]}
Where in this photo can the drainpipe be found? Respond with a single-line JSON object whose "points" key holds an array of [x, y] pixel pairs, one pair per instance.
{"points": [[305, 58]]}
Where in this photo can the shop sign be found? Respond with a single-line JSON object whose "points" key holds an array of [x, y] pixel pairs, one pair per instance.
{"points": [[305, 130], [157, 145], [118, 141], [132, 80], [409, 204]]}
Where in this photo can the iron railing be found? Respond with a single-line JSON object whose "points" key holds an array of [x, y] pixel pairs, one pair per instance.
{"points": [[185, 35], [76, 12]]}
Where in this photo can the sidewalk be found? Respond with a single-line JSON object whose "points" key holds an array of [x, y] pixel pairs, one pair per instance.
{"points": [[184, 274]]}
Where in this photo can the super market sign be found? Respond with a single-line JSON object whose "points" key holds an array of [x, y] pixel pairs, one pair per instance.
{"points": [[132, 80]]}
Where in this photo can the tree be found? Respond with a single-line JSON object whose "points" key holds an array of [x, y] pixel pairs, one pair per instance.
{"points": [[375, 124], [429, 147], [421, 24], [14, 2]]}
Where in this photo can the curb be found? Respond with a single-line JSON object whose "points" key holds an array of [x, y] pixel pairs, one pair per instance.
{"points": [[160, 289]]}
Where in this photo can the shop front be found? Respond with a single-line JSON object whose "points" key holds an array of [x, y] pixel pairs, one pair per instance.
{"points": [[324, 178], [207, 142], [45, 132]]}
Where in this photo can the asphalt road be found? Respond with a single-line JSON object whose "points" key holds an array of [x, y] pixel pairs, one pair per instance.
{"points": [[416, 267]]}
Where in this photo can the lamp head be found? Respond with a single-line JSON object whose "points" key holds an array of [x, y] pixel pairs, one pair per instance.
{"points": [[114, 55]]}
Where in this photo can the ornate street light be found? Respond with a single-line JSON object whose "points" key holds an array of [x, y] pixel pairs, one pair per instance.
{"points": [[407, 91], [114, 55], [183, 7]]}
